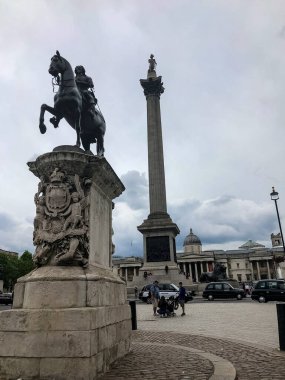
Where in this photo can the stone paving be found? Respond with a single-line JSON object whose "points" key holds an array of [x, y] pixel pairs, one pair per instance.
{"points": [[214, 341], [247, 321]]}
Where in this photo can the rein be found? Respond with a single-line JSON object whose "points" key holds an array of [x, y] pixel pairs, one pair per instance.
{"points": [[56, 81]]}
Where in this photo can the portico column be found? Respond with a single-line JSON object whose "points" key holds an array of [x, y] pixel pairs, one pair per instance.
{"points": [[196, 272], [201, 267], [227, 271], [208, 266], [268, 269], [126, 274], [190, 271], [251, 267], [258, 270]]}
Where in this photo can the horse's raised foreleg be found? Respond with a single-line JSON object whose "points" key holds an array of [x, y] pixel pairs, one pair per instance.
{"points": [[45, 107]]}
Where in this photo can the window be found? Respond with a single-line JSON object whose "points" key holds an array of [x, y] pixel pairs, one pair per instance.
{"points": [[261, 285], [237, 265], [218, 286], [272, 284], [281, 285], [210, 286], [246, 265], [227, 287], [239, 277]]}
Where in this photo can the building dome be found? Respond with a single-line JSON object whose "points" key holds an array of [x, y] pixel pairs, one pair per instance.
{"points": [[191, 239]]}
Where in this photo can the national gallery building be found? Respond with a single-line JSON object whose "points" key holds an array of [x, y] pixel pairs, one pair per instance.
{"points": [[249, 262]]}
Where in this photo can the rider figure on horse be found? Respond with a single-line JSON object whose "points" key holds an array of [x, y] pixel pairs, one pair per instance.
{"points": [[89, 101], [83, 83]]}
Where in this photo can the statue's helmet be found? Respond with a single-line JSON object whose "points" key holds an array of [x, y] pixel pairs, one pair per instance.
{"points": [[79, 69]]}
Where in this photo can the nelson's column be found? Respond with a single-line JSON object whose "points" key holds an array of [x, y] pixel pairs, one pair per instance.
{"points": [[158, 229]]}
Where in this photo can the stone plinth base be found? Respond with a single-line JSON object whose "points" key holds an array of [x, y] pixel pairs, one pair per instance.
{"points": [[58, 344], [158, 273], [67, 323]]}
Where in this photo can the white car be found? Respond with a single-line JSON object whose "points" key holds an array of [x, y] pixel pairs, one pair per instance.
{"points": [[166, 290]]}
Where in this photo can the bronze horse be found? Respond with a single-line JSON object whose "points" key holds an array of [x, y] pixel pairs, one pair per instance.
{"points": [[68, 104]]}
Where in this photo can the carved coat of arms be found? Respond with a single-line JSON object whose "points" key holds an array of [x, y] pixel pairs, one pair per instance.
{"points": [[61, 223]]}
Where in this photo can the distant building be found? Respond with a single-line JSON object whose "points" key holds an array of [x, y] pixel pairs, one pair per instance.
{"points": [[276, 240], [9, 252], [250, 262], [127, 267]]}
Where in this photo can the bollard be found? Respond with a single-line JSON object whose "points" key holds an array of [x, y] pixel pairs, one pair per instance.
{"points": [[134, 314], [281, 325]]}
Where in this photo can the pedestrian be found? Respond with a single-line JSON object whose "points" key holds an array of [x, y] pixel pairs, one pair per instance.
{"points": [[136, 292], [181, 298], [162, 304], [154, 292]]}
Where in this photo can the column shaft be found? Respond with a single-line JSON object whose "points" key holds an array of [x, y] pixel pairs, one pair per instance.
{"points": [[258, 270], [157, 192]]}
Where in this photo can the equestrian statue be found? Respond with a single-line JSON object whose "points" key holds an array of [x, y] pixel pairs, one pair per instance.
{"points": [[76, 103]]}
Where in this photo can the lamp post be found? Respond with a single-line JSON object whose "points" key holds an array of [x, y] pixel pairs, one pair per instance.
{"points": [[280, 307], [275, 196]]}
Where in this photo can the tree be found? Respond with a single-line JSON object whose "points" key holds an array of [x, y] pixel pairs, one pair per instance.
{"points": [[9, 264], [14, 267], [25, 264]]}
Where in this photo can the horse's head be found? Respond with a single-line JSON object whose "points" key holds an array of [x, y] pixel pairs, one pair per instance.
{"points": [[57, 65]]}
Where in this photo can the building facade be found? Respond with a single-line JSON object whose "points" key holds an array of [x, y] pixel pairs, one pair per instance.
{"points": [[250, 262]]}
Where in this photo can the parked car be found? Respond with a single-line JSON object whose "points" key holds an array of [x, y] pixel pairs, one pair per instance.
{"points": [[269, 290], [222, 290], [166, 290], [6, 298]]}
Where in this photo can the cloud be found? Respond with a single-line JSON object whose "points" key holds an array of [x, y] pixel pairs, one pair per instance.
{"points": [[15, 234], [136, 193], [225, 219]]}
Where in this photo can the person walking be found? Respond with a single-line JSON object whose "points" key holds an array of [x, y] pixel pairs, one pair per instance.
{"points": [[154, 293], [136, 292], [181, 298]]}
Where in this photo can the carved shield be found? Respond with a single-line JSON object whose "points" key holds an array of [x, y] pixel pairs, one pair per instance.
{"points": [[57, 197]]}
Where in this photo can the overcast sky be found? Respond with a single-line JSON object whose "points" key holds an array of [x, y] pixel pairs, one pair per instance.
{"points": [[223, 109]]}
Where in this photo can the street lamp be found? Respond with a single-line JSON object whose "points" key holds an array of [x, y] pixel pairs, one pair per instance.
{"points": [[275, 196], [279, 306]]}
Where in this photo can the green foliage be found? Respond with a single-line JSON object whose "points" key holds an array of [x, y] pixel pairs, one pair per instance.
{"points": [[26, 264], [13, 267]]}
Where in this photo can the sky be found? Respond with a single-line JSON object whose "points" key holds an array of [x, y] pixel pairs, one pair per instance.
{"points": [[223, 110]]}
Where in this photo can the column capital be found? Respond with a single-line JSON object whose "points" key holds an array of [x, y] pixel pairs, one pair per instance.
{"points": [[152, 86]]}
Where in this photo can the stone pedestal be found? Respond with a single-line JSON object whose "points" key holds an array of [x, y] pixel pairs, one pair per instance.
{"points": [[159, 248], [69, 319]]}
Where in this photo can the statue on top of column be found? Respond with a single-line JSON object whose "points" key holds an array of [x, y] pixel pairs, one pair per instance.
{"points": [[152, 63]]}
